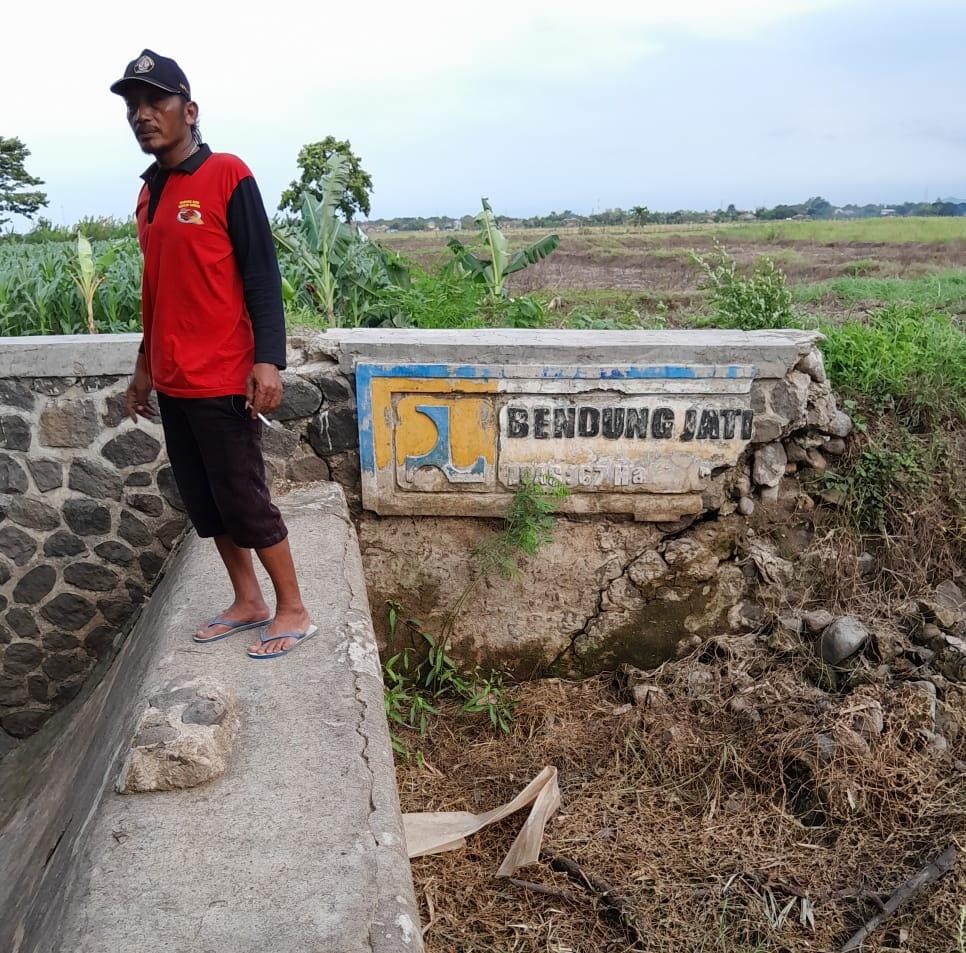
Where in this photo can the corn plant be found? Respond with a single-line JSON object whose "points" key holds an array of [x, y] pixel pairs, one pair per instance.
{"points": [[40, 293], [494, 270]]}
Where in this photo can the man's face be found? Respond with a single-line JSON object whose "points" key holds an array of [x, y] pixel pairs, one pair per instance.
{"points": [[159, 120]]}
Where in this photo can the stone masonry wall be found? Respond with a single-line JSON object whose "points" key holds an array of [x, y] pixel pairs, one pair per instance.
{"points": [[606, 588], [89, 509], [88, 512]]}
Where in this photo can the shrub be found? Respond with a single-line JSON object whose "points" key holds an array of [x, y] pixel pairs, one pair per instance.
{"points": [[754, 302]]}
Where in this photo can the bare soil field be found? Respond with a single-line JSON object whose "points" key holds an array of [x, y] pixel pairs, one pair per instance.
{"points": [[652, 266]]}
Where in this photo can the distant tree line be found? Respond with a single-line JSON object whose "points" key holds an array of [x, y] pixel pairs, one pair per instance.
{"points": [[813, 208]]}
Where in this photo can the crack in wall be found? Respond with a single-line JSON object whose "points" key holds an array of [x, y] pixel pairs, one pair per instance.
{"points": [[598, 609]]}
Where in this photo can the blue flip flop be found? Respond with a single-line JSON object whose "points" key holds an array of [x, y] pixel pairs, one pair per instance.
{"points": [[233, 627], [299, 637]]}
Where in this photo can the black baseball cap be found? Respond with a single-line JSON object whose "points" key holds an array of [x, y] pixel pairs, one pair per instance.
{"points": [[154, 70]]}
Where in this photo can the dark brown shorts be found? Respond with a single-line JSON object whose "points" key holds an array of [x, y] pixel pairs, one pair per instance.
{"points": [[215, 449]]}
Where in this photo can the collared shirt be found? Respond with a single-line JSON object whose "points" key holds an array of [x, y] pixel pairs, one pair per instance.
{"points": [[211, 299]]}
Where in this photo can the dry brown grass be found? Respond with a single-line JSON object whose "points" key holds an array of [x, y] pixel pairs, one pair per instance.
{"points": [[656, 260], [711, 811]]}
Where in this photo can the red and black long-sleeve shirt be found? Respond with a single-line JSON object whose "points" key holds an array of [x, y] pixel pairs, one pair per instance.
{"points": [[211, 297]]}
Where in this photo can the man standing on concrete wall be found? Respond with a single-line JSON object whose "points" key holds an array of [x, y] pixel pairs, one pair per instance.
{"points": [[214, 343]]}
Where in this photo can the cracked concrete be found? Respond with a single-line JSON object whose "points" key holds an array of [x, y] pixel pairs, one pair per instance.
{"points": [[299, 846]]}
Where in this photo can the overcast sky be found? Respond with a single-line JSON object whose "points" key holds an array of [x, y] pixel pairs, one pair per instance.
{"points": [[537, 105]]}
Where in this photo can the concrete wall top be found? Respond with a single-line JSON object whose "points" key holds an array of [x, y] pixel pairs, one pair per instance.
{"points": [[68, 355], [772, 352]]}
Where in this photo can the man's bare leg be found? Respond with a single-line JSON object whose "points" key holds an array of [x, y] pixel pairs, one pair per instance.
{"points": [[290, 612], [249, 604]]}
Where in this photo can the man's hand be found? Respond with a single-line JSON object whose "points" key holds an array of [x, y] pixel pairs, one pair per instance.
{"points": [[139, 391], [263, 389]]}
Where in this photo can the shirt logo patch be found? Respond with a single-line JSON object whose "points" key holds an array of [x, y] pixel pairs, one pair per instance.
{"points": [[189, 212], [144, 65]]}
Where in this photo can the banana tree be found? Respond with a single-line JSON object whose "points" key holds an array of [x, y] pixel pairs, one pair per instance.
{"points": [[493, 271], [346, 272], [320, 245], [88, 274]]}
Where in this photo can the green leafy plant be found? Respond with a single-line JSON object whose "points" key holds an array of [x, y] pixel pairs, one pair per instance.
{"points": [[906, 358], [316, 160], [419, 674], [341, 271], [875, 488], [752, 302], [88, 275], [493, 271]]}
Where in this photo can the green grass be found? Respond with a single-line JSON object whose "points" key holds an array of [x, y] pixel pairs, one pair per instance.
{"points": [[907, 358], [945, 290], [888, 230]]}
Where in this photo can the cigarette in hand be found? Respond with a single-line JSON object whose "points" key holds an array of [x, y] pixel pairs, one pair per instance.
{"points": [[261, 417]]}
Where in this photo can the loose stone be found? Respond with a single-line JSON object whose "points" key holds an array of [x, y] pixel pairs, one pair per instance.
{"points": [[841, 425], [63, 543], [766, 428], [35, 584], [844, 637], [87, 518], [91, 576], [131, 448], [47, 474], [817, 620], [769, 466], [94, 480], [68, 611], [835, 447]]}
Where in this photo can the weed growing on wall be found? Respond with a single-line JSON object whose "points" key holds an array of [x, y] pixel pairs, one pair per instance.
{"points": [[419, 674]]}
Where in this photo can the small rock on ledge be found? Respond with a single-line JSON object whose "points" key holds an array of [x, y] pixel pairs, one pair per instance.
{"points": [[184, 738]]}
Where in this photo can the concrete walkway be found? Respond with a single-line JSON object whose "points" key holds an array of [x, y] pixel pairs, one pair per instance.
{"points": [[299, 846]]}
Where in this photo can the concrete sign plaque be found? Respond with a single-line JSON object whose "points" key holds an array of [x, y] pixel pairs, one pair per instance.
{"points": [[458, 439]]}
